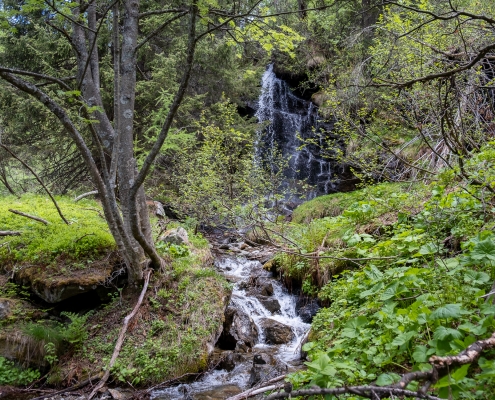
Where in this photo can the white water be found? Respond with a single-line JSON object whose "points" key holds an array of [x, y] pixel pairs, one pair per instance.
{"points": [[291, 118], [239, 269]]}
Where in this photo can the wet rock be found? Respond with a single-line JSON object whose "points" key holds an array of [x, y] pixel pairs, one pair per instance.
{"points": [[307, 309], [241, 347], [229, 360], [243, 246], [116, 394], [276, 332], [238, 326], [269, 303], [218, 393], [262, 358], [265, 287], [177, 236]]}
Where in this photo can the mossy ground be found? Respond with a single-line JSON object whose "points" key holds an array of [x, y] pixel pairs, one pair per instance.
{"points": [[171, 333], [178, 320]]}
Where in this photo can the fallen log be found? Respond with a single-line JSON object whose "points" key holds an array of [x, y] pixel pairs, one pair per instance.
{"points": [[82, 196], [43, 221], [10, 233]]}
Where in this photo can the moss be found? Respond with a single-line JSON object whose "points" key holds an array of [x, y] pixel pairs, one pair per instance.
{"points": [[170, 336], [86, 237], [333, 205]]}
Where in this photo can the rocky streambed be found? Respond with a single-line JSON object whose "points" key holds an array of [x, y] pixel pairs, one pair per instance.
{"points": [[262, 335]]}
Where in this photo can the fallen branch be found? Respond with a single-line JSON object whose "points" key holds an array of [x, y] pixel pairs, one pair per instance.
{"points": [[371, 392], [10, 233], [39, 180], [70, 389], [254, 391], [441, 366], [120, 340], [43, 221], [82, 196]]}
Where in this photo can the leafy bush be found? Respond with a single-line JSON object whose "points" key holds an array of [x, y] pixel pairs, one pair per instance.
{"points": [[12, 375]]}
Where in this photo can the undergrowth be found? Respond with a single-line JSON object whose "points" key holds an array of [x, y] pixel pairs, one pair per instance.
{"points": [[402, 270], [175, 326]]}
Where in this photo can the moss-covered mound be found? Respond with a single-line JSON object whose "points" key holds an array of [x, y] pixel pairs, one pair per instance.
{"points": [[173, 333], [55, 260]]}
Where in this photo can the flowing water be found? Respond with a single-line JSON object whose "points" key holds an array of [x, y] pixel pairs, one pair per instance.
{"points": [[221, 383], [291, 121]]}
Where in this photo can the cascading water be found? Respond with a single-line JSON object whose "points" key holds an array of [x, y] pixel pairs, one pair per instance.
{"points": [[222, 383], [291, 121]]}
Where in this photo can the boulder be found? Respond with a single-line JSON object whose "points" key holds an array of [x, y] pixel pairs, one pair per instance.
{"points": [[54, 287], [264, 286], [276, 332], [238, 326], [264, 368], [177, 236], [269, 303]]}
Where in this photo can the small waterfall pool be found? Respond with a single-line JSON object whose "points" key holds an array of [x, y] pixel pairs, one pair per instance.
{"points": [[223, 383]]}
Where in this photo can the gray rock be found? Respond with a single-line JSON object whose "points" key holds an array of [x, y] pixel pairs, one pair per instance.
{"points": [[307, 309], [238, 326], [269, 303], [177, 236], [265, 287], [276, 332]]}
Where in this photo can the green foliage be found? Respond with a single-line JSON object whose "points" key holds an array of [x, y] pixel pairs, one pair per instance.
{"points": [[87, 236], [172, 249], [416, 293], [12, 375]]}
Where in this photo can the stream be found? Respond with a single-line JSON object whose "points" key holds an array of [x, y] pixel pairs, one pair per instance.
{"points": [[264, 315]]}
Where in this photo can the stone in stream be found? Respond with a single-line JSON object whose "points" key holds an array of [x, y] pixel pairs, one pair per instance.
{"points": [[269, 303], [276, 332], [238, 326]]}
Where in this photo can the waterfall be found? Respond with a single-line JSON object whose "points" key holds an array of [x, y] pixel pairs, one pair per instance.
{"points": [[291, 120]]}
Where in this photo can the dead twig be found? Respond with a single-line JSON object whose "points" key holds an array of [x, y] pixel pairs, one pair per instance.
{"points": [[40, 182], [120, 340], [254, 391], [82, 196], [10, 233], [43, 221]]}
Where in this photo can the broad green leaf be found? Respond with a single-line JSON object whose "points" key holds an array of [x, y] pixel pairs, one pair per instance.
{"points": [[387, 379], [447, 311], [442, 333]]}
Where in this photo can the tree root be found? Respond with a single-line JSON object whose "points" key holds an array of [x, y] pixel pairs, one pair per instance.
{"points": [[120, 340]]}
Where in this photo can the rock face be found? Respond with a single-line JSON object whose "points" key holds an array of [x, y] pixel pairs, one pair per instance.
{"points": [[5, 308], [54, 288], [237, 327], [177, 236], [276, 332]]}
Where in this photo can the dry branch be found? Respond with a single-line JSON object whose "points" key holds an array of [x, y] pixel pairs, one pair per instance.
{"points": [[40, 182], [82, 196], [440, 367], [10, 233], [43, 221], [120, 340], [254, 391]]}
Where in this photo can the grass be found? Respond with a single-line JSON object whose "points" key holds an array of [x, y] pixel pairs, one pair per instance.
{"points": [[332, 205]]}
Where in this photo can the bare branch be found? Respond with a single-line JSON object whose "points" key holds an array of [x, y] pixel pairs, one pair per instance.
{"points": [[159, 29], [120, 340], [50, 78], [160, 12], [39, 180], [43, 221], [10, 233]]}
